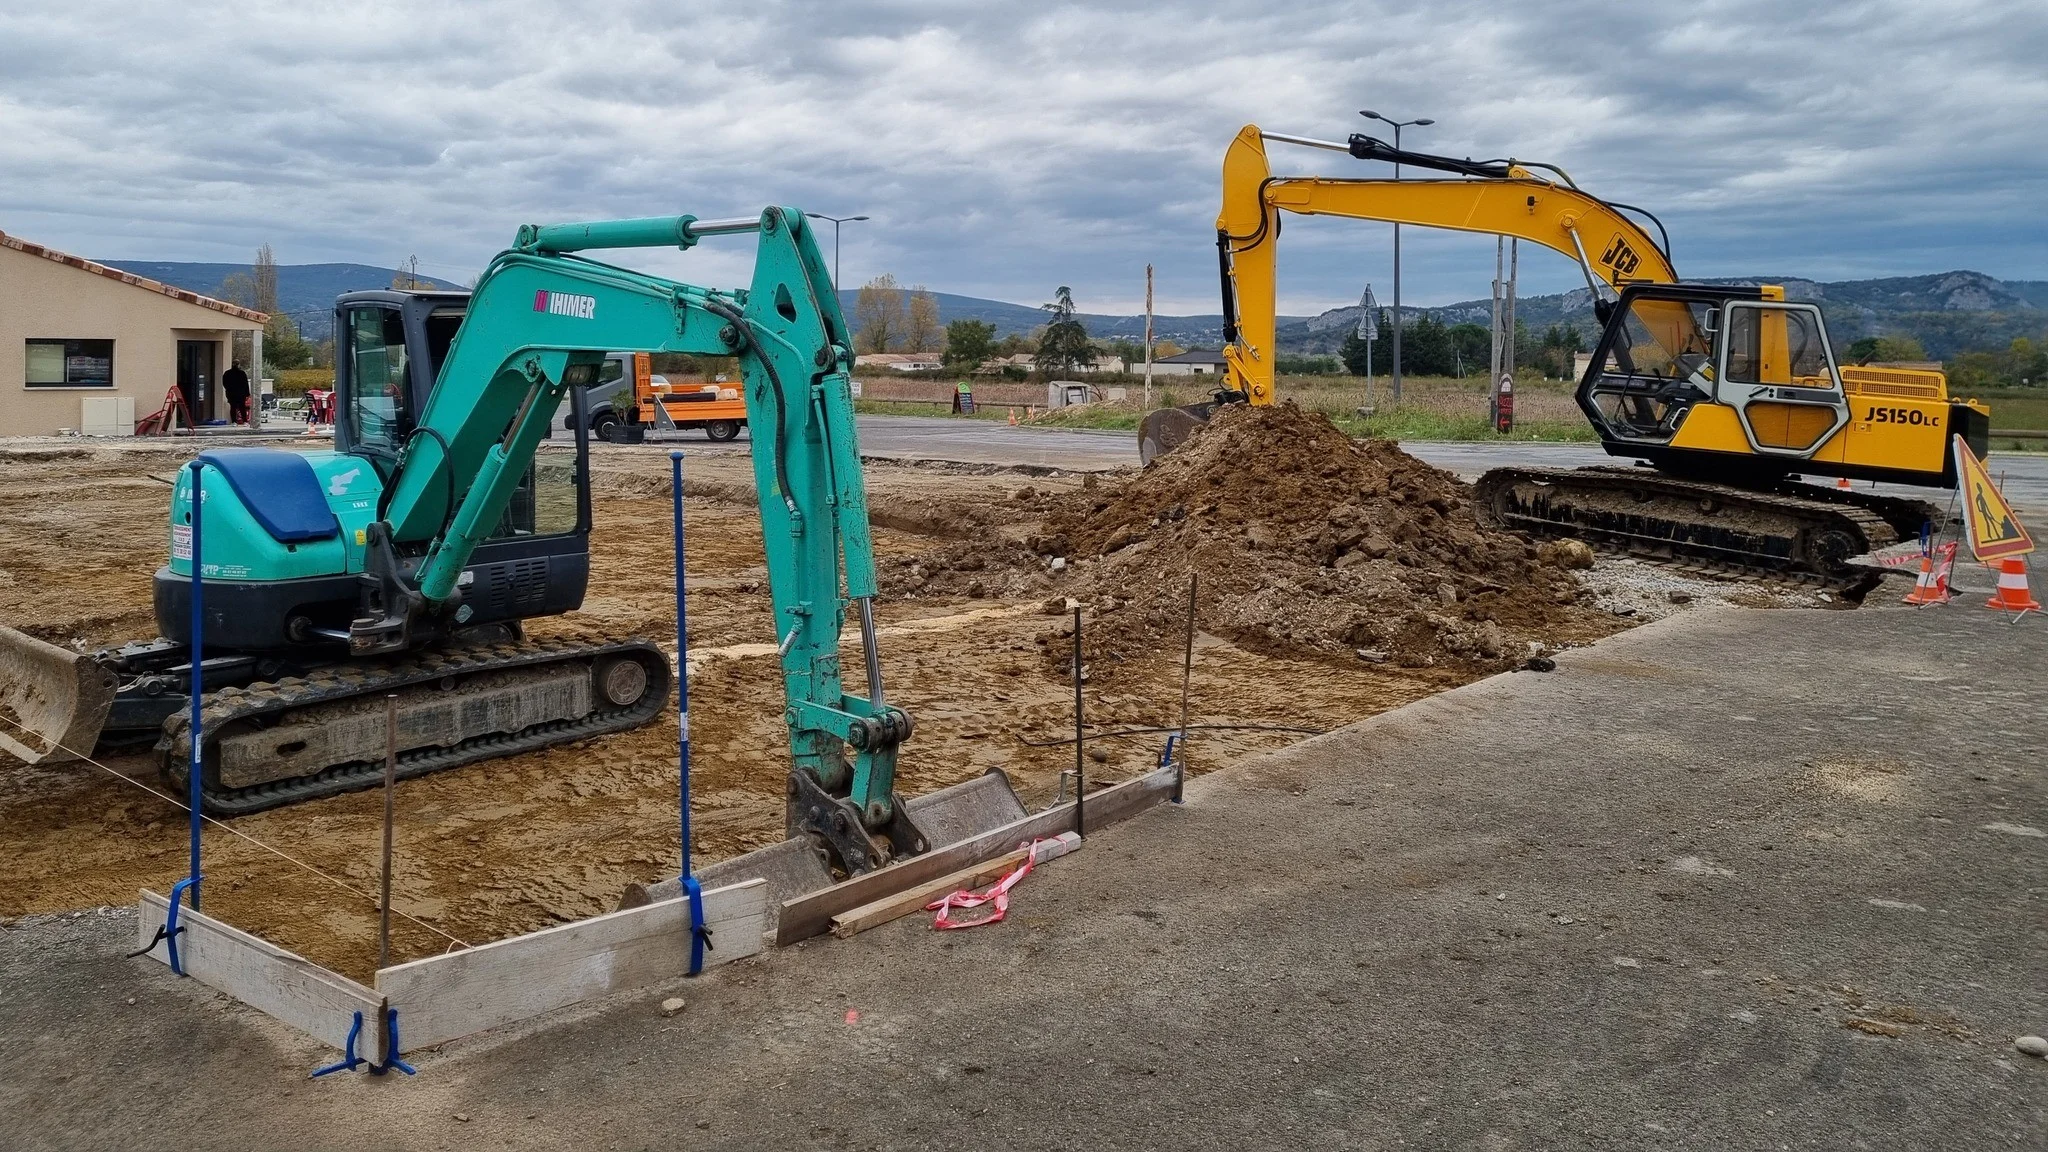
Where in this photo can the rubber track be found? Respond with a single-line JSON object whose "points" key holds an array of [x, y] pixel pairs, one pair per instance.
{"points": [[1802, 507], [348, 683]]}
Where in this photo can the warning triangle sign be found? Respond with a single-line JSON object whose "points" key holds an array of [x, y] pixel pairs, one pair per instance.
{"points": [[1993, 530]]}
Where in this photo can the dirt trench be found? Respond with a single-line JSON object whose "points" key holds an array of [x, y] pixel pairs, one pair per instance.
{"points": [[518, 844]]}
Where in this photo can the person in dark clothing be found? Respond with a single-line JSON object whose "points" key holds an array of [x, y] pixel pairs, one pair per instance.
{"points": [[236, 383]]}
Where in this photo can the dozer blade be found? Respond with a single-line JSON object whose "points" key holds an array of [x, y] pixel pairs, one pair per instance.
{"points": [[53, 703]]}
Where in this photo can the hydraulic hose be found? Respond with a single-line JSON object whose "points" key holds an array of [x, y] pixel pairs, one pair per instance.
{"points": [[743, 332]]}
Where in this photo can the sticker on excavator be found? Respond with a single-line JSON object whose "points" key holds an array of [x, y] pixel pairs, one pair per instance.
{"points": [[1993, 530]]}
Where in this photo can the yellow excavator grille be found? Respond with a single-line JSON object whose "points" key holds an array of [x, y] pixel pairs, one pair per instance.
{"points": [[1900, 383]]}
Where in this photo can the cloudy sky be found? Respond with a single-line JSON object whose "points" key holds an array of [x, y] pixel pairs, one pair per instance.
{"points": [[1006, 148]]}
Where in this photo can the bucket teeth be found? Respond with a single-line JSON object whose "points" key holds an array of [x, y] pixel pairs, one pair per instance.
{"points": [[53, 703]]}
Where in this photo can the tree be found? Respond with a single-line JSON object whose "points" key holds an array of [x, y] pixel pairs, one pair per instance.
{"points": [[878, 315], [1161, 349], [968, 343], [1354, 352], [1426, 348], [257, 289], [1130, 352], [406, 278], [1064, 346], [1885, 349], [1471, 346], [921, 331], [1557, 355], [264, 273]]}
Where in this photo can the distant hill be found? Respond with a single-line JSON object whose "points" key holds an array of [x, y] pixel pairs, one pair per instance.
{"points": [[1948, 313], [1018, 319], [305, 291]]}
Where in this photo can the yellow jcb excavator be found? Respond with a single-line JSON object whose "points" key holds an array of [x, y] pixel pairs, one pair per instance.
{"points": [[1730, 393]]}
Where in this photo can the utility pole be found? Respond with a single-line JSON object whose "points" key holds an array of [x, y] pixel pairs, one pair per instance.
{"points": [[1514, 271], [1148, 338], [1423, 122], [1500, 247], [836, 222]]}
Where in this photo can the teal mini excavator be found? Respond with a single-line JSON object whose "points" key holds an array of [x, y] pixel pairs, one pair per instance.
{"points": [[404, 561]]}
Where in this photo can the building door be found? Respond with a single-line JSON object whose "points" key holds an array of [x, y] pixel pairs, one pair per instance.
{"points": [[195, 377]]}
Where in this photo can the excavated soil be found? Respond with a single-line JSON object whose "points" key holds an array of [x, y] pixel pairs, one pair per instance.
{"points": [[521, 843], [1307, 544]]}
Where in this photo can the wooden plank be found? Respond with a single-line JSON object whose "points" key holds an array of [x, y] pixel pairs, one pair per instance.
{"points": [[277, 983], [445, 997], [902, 904], [806, 916], [888, 908]]}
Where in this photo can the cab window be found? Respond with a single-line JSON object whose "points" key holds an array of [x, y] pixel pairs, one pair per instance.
{"points": [[1777, 345], [376, 414]]}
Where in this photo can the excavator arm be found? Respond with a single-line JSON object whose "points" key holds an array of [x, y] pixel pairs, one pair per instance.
{"points": [[540, 321], [1500, 197]]}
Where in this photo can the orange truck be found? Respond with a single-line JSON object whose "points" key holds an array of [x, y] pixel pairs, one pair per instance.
{"points": [[658, 406]]}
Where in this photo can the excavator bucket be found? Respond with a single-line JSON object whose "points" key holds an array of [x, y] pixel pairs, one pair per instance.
{"points": [[52, 702], [1165, 429]]}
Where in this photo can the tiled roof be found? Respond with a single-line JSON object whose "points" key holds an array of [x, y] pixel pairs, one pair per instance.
{"points": [[80, 262]]}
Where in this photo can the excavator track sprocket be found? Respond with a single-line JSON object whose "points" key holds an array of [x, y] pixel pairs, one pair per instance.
{"points": [[1791, 531], [300, 738]]}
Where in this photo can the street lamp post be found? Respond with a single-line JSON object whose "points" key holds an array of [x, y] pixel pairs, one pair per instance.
{"points": [[836, 222], [1424, 122]]}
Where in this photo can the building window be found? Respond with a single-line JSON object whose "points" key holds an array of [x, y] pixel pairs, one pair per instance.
{"points": [[69, 364]]}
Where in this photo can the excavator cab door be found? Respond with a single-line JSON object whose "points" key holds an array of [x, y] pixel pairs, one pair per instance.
{"points": [[1776, 370], [1653, 364]]}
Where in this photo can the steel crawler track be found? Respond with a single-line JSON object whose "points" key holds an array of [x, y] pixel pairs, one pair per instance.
{"points": [[1790, 532], [346, 684]]}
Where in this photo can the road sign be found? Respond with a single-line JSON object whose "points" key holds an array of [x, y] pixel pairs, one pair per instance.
{"points": [[1368, 316], [1993, 530]]}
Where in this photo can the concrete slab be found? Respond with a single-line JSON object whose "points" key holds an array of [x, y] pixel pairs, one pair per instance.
{"points": [[1744, 880]]}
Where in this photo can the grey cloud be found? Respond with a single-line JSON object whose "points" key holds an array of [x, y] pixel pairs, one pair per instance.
{"points": [[1004, 148]]}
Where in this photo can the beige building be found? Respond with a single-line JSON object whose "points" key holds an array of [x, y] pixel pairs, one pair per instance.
{"points": [[92, 348]]}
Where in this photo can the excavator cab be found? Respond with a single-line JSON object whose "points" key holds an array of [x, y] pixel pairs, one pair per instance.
{"points": [[1654, 362], [1763, 364]]}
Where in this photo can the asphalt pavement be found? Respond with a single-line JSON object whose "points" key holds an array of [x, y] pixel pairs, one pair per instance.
{"points": [[1736, 880]]}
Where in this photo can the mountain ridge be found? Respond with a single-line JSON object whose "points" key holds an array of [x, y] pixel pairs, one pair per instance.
{"points": [[1948, 312]]}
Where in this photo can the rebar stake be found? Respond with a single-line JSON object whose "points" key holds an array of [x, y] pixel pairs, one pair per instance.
{"points": [[1187, 671], [1080, 764], [390, 787]]}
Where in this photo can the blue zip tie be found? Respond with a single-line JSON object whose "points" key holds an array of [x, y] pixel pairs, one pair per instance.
{"points": [[700, 934], [349, 1059], [169, 929], [391, 1029]]}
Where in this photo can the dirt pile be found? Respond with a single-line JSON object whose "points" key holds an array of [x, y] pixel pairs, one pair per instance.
{"points": [[1305, 540]]}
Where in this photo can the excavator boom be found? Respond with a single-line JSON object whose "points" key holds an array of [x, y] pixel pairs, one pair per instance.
{"points": [[1501, 197]]}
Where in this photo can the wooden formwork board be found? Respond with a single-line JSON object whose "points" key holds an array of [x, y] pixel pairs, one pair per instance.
{"points": [[442, 998], [807, 916], [278, 983]]}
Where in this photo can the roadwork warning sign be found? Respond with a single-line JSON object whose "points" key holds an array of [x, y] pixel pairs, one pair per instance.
{"points": [[1989, 522]]}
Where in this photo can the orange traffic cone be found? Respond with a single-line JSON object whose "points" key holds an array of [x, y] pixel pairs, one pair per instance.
{"points": [[2012, 594], [1931, 586], [1013, 417], [1843, 484]]}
